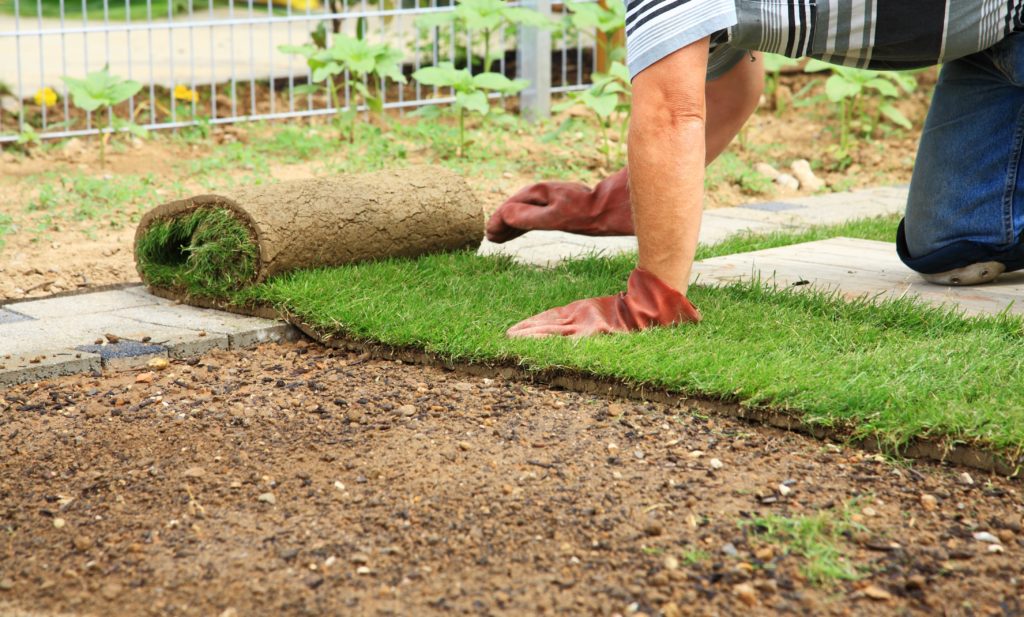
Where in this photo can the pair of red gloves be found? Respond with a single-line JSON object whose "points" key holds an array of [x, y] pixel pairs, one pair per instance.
{"points": [[604, 210]]}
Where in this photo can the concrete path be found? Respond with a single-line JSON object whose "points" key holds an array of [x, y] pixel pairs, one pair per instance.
{"points": [[124, 328], [547, 248], [127, 328]]}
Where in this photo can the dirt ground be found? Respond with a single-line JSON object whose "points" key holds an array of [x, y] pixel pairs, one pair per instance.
{"points": [[297, 480], [63, 254]]}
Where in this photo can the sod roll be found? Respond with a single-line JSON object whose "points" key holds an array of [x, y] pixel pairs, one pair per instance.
{"points": [[213, 244]]}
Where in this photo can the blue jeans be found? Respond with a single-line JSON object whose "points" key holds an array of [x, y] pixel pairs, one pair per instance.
{"points": [[966, 201]]}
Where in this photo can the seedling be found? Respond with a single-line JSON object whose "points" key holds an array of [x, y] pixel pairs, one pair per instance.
{"points": [[592, 17], [471, 91], [773, 65], [358, 61], [609, 99], [849, 86], [486, 17], [101, 89]]}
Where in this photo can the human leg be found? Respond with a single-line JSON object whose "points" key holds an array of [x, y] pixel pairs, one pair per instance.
{"points": [[965, 212]]}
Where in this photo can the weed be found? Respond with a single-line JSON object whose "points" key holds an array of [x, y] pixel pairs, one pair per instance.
{"points": [[693, 556], [608, 98], [6, 227], [101, 89], [816, 537]]}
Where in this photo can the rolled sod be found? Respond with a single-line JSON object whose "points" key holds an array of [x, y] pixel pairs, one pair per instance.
{"points": [[212, 245]]}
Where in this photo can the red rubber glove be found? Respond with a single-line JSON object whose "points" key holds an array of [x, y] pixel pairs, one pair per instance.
{"points": [[648, 302], [566, 206]]}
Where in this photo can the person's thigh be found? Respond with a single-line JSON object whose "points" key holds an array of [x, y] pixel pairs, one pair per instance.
{"points": [[966, 201]]}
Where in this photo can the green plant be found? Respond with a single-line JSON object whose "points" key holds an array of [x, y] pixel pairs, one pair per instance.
{"points": [[773, 65], [101, 89], [6, 227], [471, 91], [591, 17], [359, 61], [486, 17], [815, 537], [850, 89], [608, 98]]}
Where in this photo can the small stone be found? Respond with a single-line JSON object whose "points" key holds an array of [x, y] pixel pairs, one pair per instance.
{"points": [[916, 581], [313, 581], [194, 472], [966, 479], [766, 170], [58, 523], [146, 377], [613, 449], [158, 364], [671, 610], [716, 464], [929, 502], [803, 173], [112, 338], [111, 591], [984, 536], [338, 484], [82, 543], [229, 612], [729, 549], [364, 570], [6, 584], [465, 446], [765, 553], [695, 454], [653, 528], [671, 562], [788, 182], [1006, 535], [267, 498], [746, 593], [360, 558], [869, 512], [876, 593], [995, 548], [406, 410], [784, 490]]}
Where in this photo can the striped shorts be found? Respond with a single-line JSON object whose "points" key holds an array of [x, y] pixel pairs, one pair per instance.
{"points": [[876, 34]]}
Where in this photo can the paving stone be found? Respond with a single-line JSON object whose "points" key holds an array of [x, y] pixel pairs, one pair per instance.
{"points": [[277, 332], [73, 330], [81, 304], [9, 316], [50, 363], [774, 206], [125, 354]]}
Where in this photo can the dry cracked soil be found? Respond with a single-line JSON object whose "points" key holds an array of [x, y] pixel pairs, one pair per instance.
{"points": [[294, 479]]}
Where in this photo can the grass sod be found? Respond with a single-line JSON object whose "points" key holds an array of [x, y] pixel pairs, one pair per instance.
{"points": [[207, 253], [895, 369]]}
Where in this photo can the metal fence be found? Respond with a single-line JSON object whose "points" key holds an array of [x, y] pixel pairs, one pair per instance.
{"points": [[222, 58]]}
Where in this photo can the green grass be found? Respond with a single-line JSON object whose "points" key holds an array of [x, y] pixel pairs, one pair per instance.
{"points": [[817, 538], [81, 197], [206, 253], [6, 227]]}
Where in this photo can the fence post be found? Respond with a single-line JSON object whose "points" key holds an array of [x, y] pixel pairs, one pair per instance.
{"points": [[533, 59]]}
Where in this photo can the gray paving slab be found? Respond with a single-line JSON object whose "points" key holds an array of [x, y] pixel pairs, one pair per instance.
{"points": [[81, 304], [46, 364], [125, 354], [8, 316]]}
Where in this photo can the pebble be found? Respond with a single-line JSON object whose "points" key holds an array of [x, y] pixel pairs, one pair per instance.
{"points": [[671, 562], [916, 581], [111, 591], [870, 512], [465, 446], [406, 410], [929, 502], [746, 593], [58, 523], [876, 593], [984, 536], [194, 472], [6, 584], [995, 548], [82, 543], [267, 498], [364, 570], [1006, 535], [787, 181], [146, 377], [766, 170], [158, 364], [716, 464], [695, 454], [784, 490], [803, 173], [729, 549]]}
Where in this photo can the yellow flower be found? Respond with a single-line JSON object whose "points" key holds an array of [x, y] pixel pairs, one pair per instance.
{"points": [[183, 93], [46, 97]]}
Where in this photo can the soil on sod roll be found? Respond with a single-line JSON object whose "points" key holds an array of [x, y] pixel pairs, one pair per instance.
{"points": [[210, 245], [296, 480]]}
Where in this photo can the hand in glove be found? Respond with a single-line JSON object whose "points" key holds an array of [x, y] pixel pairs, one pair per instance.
{"points": [[566, 206], [648, 302]]}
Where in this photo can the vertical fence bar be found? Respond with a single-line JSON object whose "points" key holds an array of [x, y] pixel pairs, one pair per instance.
{"points": [[42, 63], [534, 62]]}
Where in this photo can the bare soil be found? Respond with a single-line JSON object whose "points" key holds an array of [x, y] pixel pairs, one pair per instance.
{"points": [[297, 480]]}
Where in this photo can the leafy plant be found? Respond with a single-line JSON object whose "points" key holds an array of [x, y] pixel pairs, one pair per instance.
{"points": [[358, 60], [101, 89], [486, 17], [850, 87], [608, 98], [471, 91], [591, 17], [773, 65]]}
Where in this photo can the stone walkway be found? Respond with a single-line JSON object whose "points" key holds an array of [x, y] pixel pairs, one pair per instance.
{"points": [[128, 327]]}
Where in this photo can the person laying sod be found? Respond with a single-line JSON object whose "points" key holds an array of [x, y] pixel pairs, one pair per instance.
{"points": [[696, 81]]}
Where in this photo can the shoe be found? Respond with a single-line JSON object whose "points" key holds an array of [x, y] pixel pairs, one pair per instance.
{"points": [[974, 274]]}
